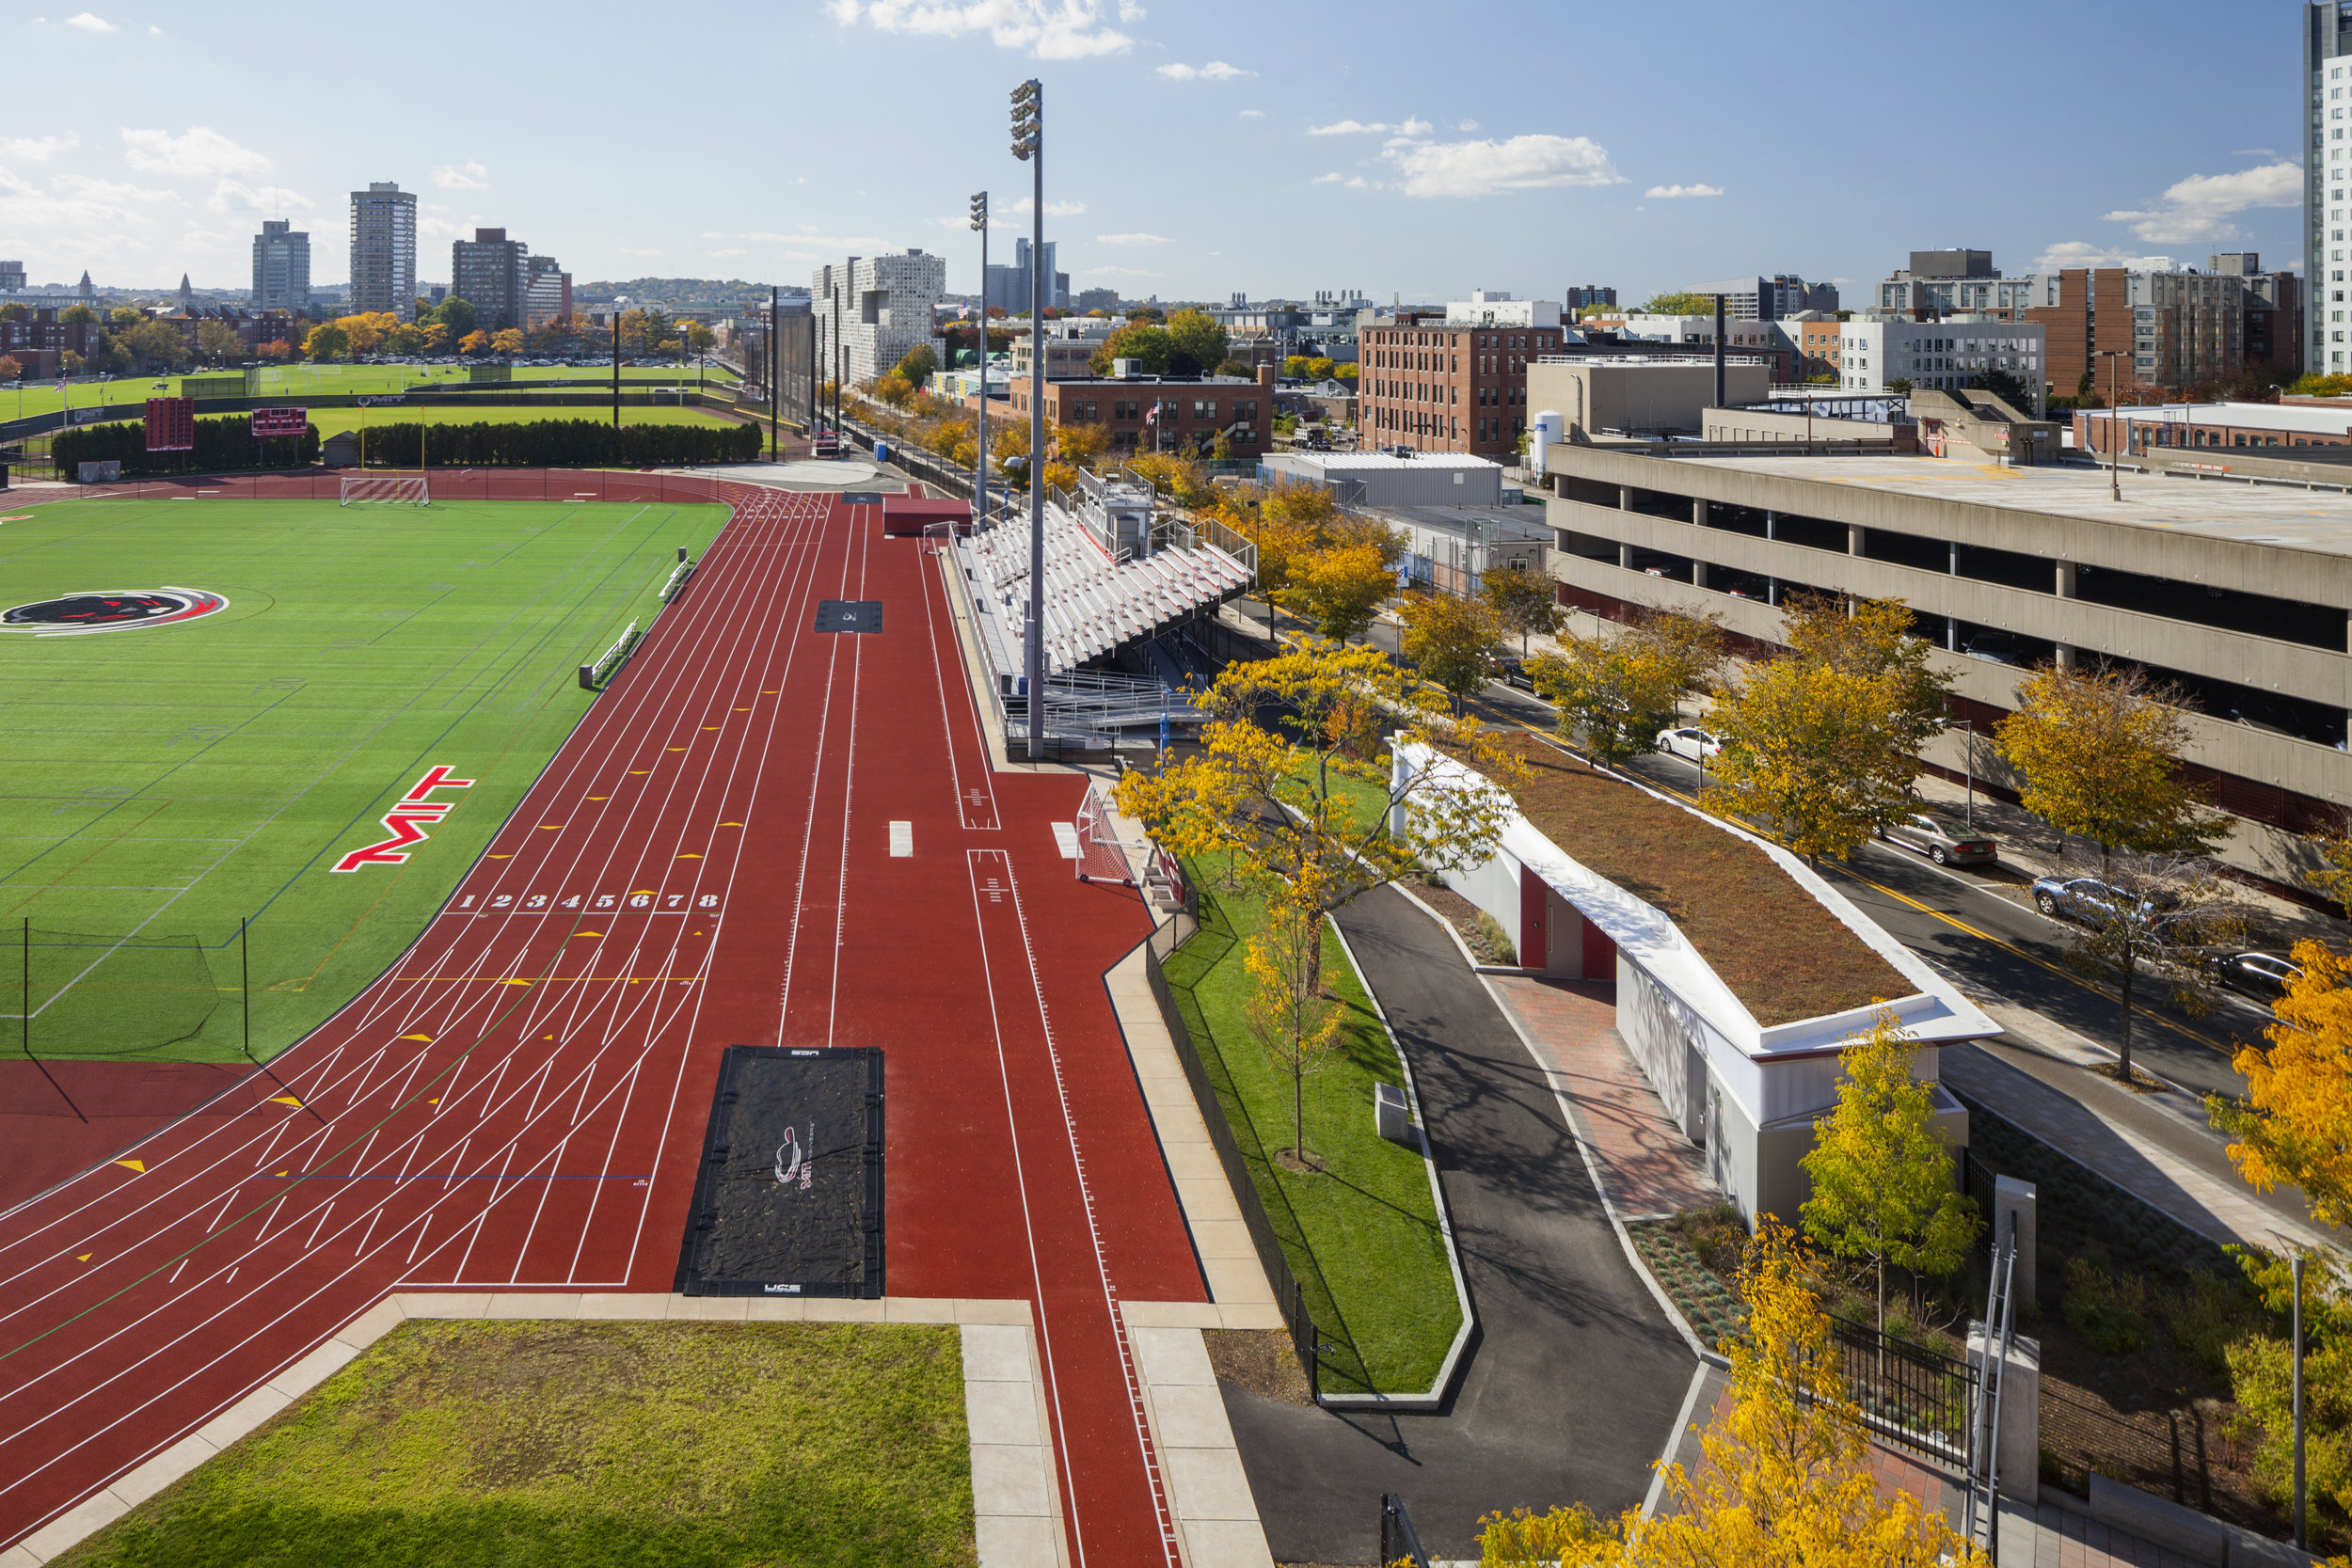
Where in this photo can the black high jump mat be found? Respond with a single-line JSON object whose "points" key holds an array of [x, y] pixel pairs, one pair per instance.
{"points": [[789, 1200]]}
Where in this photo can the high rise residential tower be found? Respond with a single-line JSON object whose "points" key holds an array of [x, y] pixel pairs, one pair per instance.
{"points": [[281, 267], [2326, 177], [384, 250]]}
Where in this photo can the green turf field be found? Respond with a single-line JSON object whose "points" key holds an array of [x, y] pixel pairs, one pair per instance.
{"points": [[40, 397], [167, 779], [326, 421]]}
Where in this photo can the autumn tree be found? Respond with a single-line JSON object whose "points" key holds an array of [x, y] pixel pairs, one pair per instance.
{"points": [[1872, 640], [77, 315], [1339, 589], [1451, 642], [2099, 754], [2159, 920], [701, 340], [894, 390], [217, 341], [1678, 302], [11, 369], [435, 339], [1786, 1477], [1525, 602], [1281, 778], [506, 340], [325, 341], [1082, 445], [457, 312], [1882, 1177], [476, 343], [1296, 1026], [1617, 690]]}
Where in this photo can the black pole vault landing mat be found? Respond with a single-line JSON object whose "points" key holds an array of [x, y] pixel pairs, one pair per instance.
{"points": [[789, 1201]]}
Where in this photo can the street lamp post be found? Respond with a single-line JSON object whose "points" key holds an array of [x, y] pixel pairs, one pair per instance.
{"points": [[1028, 145], [980, 463], [2114, 413]]}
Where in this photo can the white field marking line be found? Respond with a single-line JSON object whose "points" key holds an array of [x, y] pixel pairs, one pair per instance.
{"points": [[240, 842], [965, 810], [849, 797], [126, 1251], [224, 1210], [358, 1251], [449, 1185], [373, 1221], [443, 1030], [1095, 1234], [313, 1241], [1020, 1185], [483, 1218], [266, 1224], [816, 788], [815, 517]]}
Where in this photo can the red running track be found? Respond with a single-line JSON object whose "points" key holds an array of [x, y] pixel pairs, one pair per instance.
{"points": [[519, 1103]]}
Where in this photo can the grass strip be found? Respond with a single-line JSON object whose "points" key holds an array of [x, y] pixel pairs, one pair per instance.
{"points": [[1361, 1235], [478, 1445]]}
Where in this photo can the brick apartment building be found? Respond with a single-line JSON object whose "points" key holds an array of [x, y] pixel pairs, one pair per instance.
{"points": [[1440, 385], [1152, 414], [1817, 348], [2177, 329], [38, 342]]}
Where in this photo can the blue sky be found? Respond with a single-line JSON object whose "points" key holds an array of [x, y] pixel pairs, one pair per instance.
{"points": [[1195, 147]]}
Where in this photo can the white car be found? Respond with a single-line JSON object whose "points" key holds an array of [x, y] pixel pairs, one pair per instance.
{"points": [[1693, 745]]}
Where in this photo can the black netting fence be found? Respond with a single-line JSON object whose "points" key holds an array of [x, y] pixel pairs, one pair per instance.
{"points": [[68, 995]]}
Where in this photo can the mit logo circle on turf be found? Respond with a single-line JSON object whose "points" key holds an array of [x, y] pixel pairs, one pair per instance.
{"points": [[111, 610]]}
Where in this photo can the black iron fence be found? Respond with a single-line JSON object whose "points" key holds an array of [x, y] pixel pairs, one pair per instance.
{"points": [[1288, 1294], [1914, 1397]]}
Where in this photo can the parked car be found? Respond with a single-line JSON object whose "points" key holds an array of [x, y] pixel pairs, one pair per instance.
{"points": [[1996, 647], [1944, 842], [1691, 744], [2254, 973], [1510, 672], [2083, 898]]}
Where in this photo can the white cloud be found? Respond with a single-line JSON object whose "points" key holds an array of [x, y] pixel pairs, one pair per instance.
{"points": [[1490, 167], [204, 239], [1253, 114], [860, 245], [1215, 71], [1133, 239], [230, 195], [1467, 125], [2201, 206], [1047, 29], [467, 176], [717, 255], [1119, 272], [626, 252], [1667, 193], [1053, 209], [1407, 127], [202, 151], [152, 28], [90, 23], [711, 235], [1354, 182], [34, 150], [1130, 11], [2080, 253]]}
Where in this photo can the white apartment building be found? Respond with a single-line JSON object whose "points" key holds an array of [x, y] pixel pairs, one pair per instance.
{"points": [[875, 309], [2328, 176], [1947, 354], [1489, 308]]}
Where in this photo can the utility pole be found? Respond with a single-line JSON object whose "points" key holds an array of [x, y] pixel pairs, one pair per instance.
{"points": [[616, 369], [2115, 482], [979, 465], [1028, 145], [775, 364]]}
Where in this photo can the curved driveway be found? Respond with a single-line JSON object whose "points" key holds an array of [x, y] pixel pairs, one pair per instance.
{"points": [[1576, 1377]]}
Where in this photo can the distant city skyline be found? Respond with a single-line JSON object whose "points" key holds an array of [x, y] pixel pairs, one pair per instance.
{"points": [[1182, 161]]}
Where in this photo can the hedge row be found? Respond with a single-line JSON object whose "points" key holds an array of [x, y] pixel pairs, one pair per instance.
{"points": [[224, 443], [562, 444]]}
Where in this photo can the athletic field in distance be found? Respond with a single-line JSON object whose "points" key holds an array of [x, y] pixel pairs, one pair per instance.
{"points": [[294, 382], [214, 760]]}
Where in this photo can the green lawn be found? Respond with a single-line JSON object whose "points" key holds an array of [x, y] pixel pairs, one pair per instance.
{"points": [[40, 397], [592, 1445], [167, 779], [1361, 1235], [329, 420]]}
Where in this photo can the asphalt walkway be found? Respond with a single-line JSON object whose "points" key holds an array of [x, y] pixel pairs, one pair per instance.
{"points": [[1576, 1379]]}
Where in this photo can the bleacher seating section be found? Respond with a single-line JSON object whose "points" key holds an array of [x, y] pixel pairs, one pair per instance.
{"points": [[1094, 604]]}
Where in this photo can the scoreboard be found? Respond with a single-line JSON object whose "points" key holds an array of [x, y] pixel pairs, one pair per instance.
{"points": [[170, 424], [279, 421]]}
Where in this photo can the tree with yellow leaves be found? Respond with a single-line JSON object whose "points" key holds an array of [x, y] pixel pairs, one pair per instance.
{"points": [[1809, 755], [1339, 589], [1452, 640], [476, 343], [2099, 751], [1297, 1027], [324, 341], [1882, 1177], [1081, 444], [1281, 779], [1617, 690], [507, 340], [1787, 1481]]}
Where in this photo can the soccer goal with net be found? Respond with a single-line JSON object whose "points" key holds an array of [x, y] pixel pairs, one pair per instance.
{"points": [[412, 491]]}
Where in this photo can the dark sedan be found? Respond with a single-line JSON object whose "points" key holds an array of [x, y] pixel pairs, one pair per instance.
{"points": [[2263, 976]]}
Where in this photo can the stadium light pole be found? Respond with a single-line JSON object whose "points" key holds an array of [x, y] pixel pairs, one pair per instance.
{"points": [[980, 465], [775, 397], [1028, 145]]}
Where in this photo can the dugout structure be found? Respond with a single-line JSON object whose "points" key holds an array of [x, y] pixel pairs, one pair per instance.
{"points": [[789, 1199]]}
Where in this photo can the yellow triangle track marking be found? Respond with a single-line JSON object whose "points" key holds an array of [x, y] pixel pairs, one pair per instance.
{"points": [[514, 982], [550, 826], [690, 857], [427, 1038], [599, 797], [506, 857], [138, 1165], [583, 934], [86, 1258], [730, 824], [639, 772], [285, 1099]]}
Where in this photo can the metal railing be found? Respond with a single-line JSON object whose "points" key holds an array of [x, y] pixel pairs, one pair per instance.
{"points": [[1399, 1543], [1914, 1397], [1288, 1294]]}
